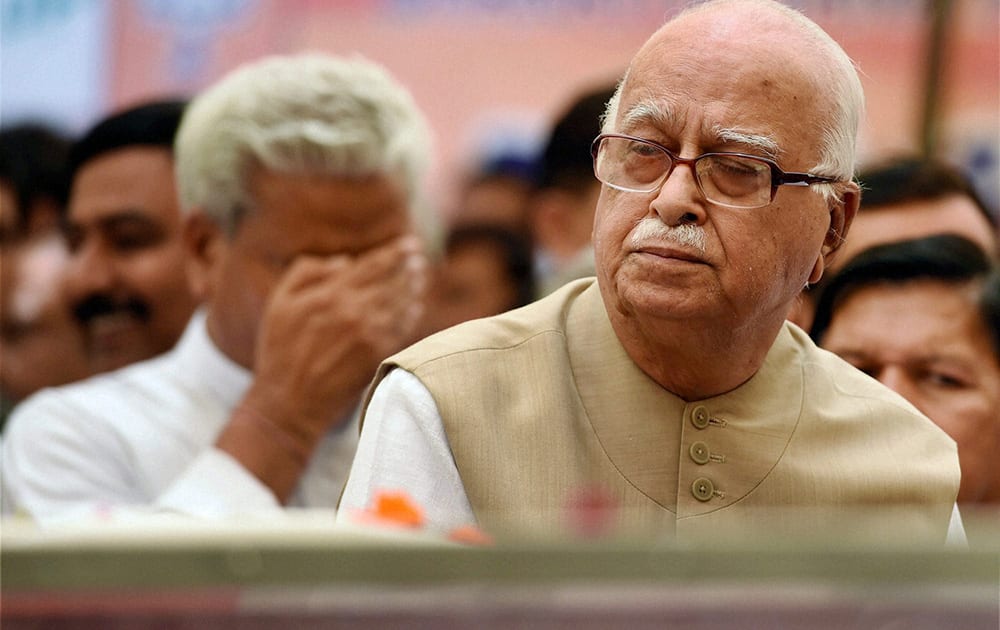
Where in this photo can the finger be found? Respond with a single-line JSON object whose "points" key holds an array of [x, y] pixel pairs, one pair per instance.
{"points": [[370, 266], [338, 294], [401, 301], [309, 270], [380, 263], [404, 290]]}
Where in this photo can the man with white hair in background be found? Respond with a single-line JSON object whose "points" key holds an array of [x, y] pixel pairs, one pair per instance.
{"points": [[298, 176], [671, 391]]}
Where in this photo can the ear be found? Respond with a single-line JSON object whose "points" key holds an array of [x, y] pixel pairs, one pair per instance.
{"points": [[205, 243], [842, 215]]}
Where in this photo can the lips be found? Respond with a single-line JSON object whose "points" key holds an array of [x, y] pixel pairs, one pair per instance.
{"points": [[670, 253]]}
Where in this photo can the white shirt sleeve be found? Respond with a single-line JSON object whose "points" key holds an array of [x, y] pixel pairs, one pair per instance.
{"points": [[215, 485], [956, 531], [403, 447], [60, 462], [47, 436]]}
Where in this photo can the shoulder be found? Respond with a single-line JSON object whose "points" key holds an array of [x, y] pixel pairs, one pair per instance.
{"points": [[94, 405], [837, 391], [827, 370], [543, 320]]}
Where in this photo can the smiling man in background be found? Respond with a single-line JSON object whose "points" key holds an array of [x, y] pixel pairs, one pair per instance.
{"points": [[126, 282]]}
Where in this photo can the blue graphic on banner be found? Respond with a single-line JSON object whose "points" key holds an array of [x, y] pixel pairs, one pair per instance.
{"points": [[982, 163], [20, 17], [54, 61], [194, 26]]}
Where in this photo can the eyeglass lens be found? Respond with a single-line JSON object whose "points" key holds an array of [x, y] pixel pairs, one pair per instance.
{"points": [[724, 179]]}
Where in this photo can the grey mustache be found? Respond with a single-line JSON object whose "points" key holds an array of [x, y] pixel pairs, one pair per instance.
{"points": [[649, 229]]}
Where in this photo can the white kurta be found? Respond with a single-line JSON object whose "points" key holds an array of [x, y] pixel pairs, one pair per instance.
{"points": [[404, 447], [143, 437]]}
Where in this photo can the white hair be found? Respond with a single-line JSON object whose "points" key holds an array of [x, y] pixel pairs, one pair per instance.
{"points": [[838, 142], [309, 114]]}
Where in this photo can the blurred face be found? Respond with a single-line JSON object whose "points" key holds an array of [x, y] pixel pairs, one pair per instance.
{"points": [[472, 282], [710, 87], [126, 282], [497, 200], [293, 216], [955, 214], [925, 340], [8, 213], [39, 344]]}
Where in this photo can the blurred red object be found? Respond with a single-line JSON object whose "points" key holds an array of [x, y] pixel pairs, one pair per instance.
{"points": [[591, 512]]}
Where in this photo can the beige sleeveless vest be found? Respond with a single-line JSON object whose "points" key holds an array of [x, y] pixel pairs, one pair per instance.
{"points": [[542, 406]]}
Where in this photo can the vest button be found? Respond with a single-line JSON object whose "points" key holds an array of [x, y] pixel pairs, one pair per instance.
{"points": [[703, 488], [699, 452], [699, 417]]}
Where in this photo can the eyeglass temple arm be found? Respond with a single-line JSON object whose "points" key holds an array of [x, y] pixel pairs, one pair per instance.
{"points": [[801, 179]]}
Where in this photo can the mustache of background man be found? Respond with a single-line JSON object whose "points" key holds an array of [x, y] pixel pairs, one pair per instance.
{"points": [[99, 305]]}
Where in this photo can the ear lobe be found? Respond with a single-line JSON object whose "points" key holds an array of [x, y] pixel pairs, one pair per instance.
{"points": [[818, 267], [204, 241]]}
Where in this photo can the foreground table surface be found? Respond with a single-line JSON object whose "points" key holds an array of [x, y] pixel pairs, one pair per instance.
{"points": [[301, 572]]}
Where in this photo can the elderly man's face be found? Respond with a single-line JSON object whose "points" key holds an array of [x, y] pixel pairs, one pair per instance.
{"points": [[737, 266], [926, 340], [293, 216]]}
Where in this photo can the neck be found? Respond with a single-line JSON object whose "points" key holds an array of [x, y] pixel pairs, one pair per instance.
{"points": [[700, 363], [227, 340]]}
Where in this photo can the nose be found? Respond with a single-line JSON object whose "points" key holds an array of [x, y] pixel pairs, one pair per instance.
{"points": [[898, 380], [90, 271], [679, 200]]}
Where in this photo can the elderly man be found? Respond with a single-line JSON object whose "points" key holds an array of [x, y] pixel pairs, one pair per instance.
{"points": [[672, 388], [297, 176]]}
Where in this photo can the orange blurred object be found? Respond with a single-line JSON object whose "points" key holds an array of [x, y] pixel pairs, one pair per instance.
{"points": [[470, 535], [397, 507]]}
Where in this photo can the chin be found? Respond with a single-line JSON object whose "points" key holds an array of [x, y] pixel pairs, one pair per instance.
{"points": [[657, 302]]}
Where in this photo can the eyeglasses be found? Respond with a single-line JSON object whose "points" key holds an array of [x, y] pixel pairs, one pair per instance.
{"points": [[734, 180]]}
